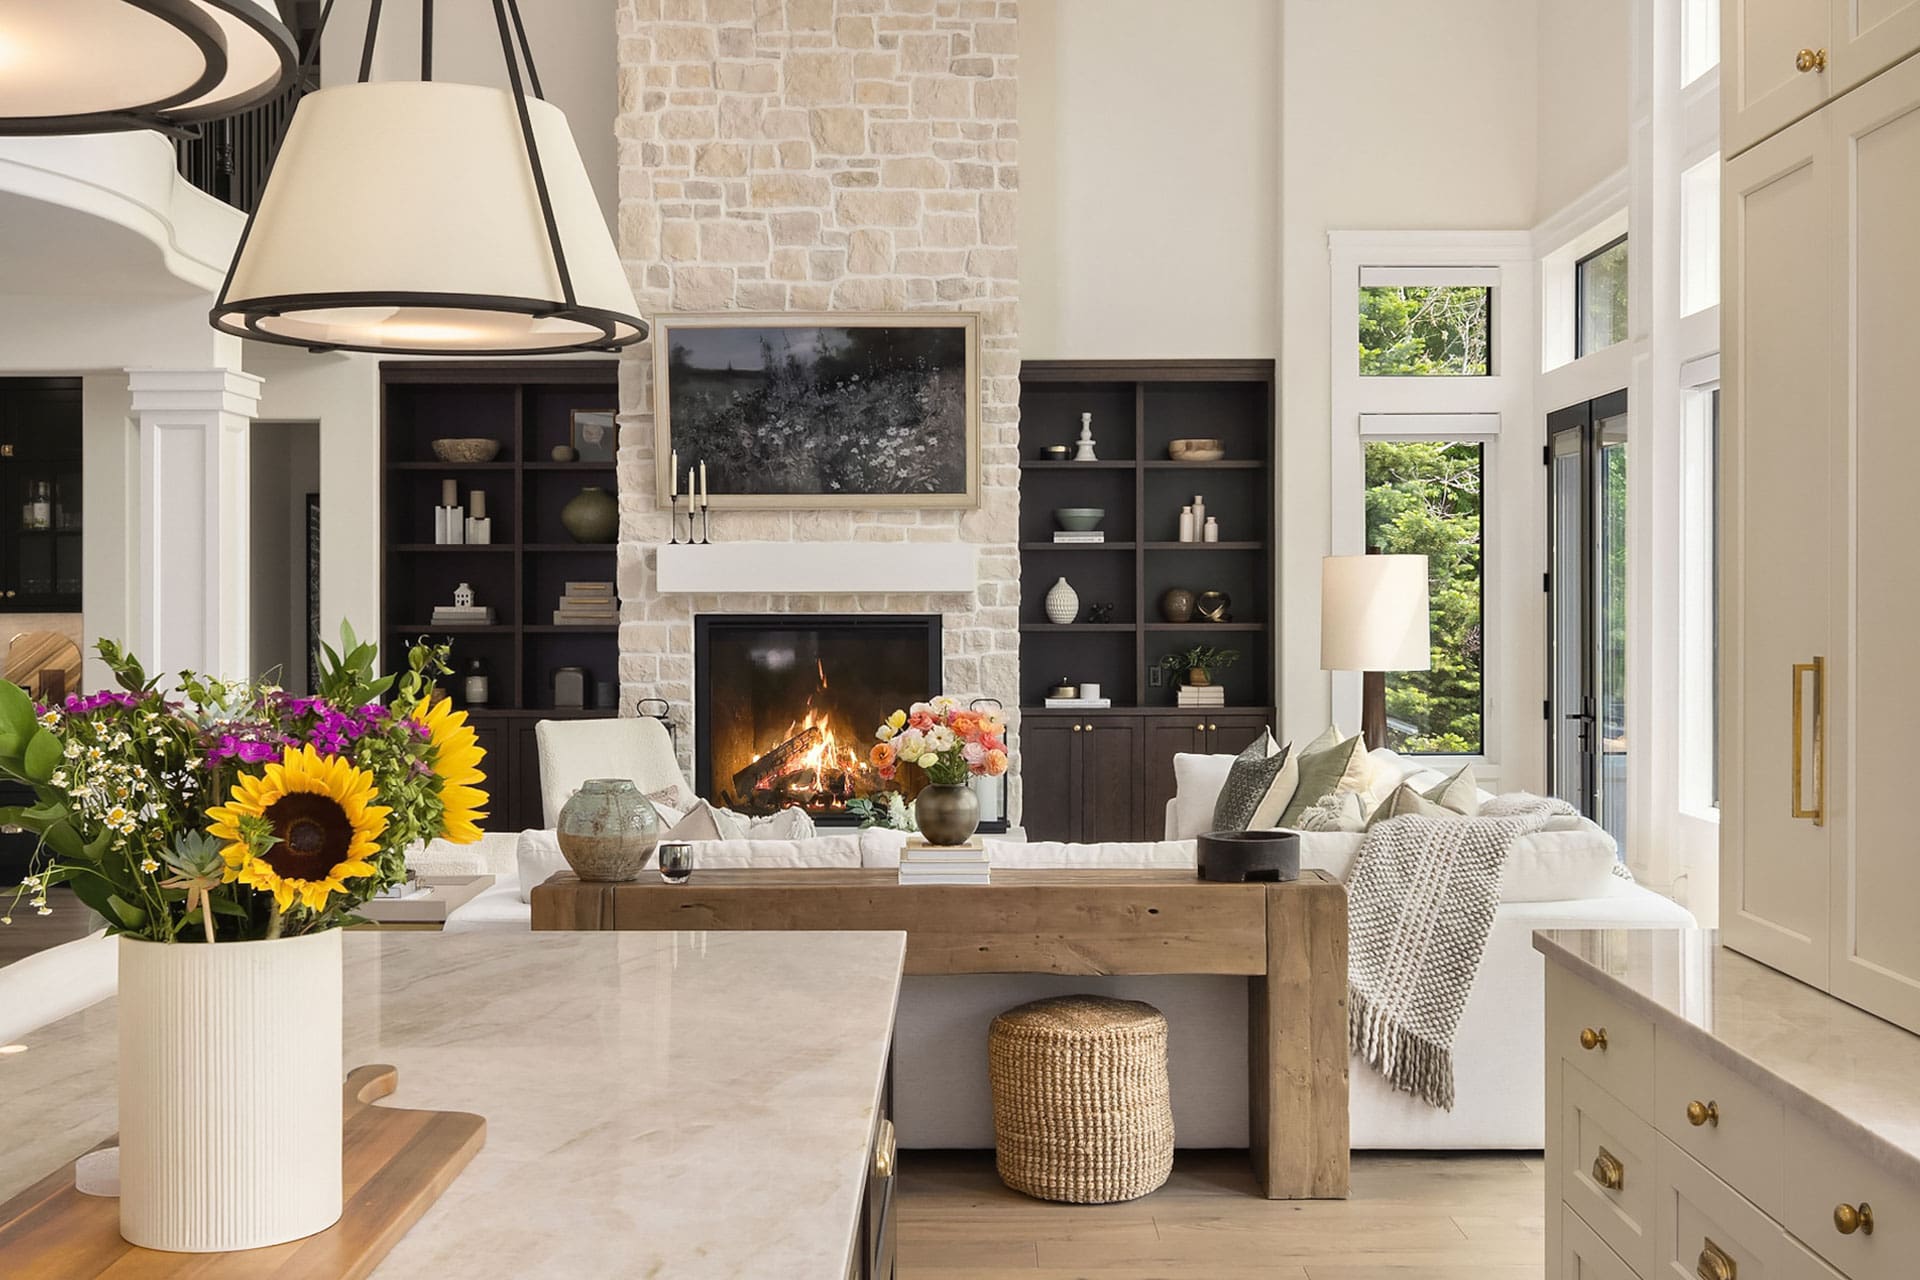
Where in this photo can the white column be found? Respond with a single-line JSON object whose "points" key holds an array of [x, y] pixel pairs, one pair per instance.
{"points": [[194, 605]]}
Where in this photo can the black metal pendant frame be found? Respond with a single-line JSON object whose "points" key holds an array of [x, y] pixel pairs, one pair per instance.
{"points": [[192, 21], [243, 317]]}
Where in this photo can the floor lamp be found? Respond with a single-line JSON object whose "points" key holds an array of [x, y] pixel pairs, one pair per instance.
{"points": [[1374, 619]]}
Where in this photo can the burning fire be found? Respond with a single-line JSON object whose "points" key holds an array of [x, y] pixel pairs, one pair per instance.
{"points": [[814, 764]]}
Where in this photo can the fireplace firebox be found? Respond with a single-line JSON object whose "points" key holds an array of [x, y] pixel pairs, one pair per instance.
{"points": [[785, 705]]}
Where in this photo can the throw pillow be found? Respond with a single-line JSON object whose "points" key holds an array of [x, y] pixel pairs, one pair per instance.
{"points": [[1344, 766], [1248, 781], [1406, 800], [699, 824], [1341, 811], [1459, 793]]}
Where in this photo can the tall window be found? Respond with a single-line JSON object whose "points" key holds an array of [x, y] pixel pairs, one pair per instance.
{"points": [[1700, 236], [1699, 38], [1600, 298], [1425, 330], [1423, 497]]}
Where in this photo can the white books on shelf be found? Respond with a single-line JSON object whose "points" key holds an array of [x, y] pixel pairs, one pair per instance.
{"points": [[1063, 535], [1078, 704], [944, 878], [1214, 696]]}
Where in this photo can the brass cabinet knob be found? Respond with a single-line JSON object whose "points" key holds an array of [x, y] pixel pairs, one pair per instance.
{"points": [[1848, 1219], [1076, 728], [1214, 727], [885, 1151], [1714, 1263], [1703, 1113], [1810, 60], [1200, 728], [1608, 1171], [1590, 1039]]}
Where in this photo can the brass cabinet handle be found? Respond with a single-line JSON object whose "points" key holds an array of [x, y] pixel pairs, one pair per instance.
{"points": [[1847, 1219], [1076, 728], [1701, 1113], [1608, 1171], [885, 1151], [1591, 1039], [1214, 727], [1818, 670], [1714, 1263], [1810, 60], [1200, 728]]}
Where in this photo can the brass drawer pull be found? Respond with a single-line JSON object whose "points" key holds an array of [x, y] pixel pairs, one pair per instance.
{"points": [[1701, 1113], [1847, 1219], [1818, 810], [1608, 1171], [1590, 1039], [1810, 60], [1714, 1263], [885, 1151]]}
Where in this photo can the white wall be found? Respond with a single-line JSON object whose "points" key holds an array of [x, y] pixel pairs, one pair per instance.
{"points": [[1397, 114], [573, 45], [1585, 83], [1149, 178]]}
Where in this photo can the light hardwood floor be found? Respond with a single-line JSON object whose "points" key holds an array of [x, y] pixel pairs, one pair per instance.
{"points": [[1411, 1217]]}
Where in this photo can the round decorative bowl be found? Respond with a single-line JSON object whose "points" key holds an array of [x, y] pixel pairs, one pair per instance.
{"points": [[1201, 450], [466, 449], [1055, 453], [1079, 519]]}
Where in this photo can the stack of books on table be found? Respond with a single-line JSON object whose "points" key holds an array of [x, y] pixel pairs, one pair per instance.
{"points": [[1201, 695], [1091, 535], [455, 615], [587, 604], [1078, 704], [923, 863]]}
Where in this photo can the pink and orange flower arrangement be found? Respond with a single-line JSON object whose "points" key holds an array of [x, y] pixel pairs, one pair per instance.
{"points": [[946, 740]]}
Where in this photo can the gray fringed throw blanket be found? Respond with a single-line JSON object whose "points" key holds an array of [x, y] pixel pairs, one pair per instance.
{"points": [[1420, 902]]}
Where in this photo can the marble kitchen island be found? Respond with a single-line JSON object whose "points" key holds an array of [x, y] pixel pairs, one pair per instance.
{"points": [[689, 1105]]}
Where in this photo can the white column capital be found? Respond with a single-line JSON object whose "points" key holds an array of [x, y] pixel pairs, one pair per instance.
{"points": [[194, 391]]}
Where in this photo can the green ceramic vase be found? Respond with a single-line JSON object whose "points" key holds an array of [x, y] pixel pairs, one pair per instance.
{"points": [[592, 515]]}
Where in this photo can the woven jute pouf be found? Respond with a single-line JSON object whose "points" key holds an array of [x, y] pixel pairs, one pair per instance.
{"points": [[1081, 1111]]}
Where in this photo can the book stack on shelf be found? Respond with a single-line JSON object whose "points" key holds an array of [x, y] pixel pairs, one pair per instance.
{"points": [[463, 615], [587, 604], [923, 863], [1201, 695], [1078, 704], [1072, 536]]}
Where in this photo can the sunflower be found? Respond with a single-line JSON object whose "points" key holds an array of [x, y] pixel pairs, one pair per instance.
{"points": [[321, 811], [456, 760]]}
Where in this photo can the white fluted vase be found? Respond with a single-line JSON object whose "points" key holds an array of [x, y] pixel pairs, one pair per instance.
{"points": [[230, 1092]]}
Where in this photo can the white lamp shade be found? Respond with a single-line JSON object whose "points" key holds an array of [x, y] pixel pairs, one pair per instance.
{"points": [[1374, 614], [84, 66], [402, 216]]}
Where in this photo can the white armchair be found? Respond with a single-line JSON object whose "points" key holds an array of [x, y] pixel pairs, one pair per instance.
{"points": [[572, 751]]}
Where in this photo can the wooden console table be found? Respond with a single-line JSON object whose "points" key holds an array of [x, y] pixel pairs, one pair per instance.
{"points": [[1290, 940]]}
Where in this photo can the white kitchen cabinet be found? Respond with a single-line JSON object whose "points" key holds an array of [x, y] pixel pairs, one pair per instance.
{"points": [[1781, 60]]}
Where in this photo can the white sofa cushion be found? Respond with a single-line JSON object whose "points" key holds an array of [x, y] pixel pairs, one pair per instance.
{"points": [[48, 985], [539, 855]]}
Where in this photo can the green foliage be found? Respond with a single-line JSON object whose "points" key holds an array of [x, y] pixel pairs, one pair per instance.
{"points": [[1424, 330], [1424, 498], [1201, 657], [1603, 299]]}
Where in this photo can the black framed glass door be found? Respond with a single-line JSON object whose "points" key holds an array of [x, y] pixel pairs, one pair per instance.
{"points": [[1586, 704]]}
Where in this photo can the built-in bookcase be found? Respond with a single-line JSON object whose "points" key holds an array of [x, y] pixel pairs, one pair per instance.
{"points": [[1138, 408], [528, 406]]}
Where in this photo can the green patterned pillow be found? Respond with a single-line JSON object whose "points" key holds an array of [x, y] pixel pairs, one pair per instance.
{"points": [[1253, 774]]}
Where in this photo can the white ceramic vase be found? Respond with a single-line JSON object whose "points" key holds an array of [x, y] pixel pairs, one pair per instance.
{"points": [[1063, 603], [230, 1092]]}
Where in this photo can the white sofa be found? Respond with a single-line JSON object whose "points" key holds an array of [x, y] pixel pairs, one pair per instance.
{"points": [[941, 1092]]}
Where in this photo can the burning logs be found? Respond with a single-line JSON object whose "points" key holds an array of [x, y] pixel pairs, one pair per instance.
{"points": [[788, 756]]}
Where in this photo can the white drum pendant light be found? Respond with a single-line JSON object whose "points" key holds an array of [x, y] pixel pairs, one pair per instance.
{"points": [[99, 66], [423, 217]]}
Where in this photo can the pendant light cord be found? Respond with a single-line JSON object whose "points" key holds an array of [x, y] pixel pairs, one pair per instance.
{"points": [[500, 8]]}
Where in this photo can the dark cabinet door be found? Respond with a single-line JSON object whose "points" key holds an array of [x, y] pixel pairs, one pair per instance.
{"points": [[529, 810], [1112, 806], [1229, 735], [1050, 779], [494, 733], [1165, 739]]}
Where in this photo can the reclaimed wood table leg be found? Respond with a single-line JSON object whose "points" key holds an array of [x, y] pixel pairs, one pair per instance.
{"points": [[1297, 1046]]}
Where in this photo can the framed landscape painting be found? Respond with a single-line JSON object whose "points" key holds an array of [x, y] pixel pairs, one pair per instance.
{"points": [[834, 409]]}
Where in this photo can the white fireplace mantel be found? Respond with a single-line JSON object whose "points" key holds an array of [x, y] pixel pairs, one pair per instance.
{"points": [[836, 568]]}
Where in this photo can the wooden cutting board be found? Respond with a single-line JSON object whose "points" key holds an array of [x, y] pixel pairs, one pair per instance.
{"points": [[395, 1164]]}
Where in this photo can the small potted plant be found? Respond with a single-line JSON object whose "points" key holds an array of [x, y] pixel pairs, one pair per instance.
{"points": [[1196, 666]]}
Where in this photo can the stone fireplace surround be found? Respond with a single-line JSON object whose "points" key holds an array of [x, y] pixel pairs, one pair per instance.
{"points": [[815, 155]]}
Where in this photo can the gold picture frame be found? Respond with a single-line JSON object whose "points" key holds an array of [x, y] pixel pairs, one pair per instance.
{"points": [[727, 335]]}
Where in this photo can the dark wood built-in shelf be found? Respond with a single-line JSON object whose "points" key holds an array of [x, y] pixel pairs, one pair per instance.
{"points": [[527, 405], [1077, 763]]}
